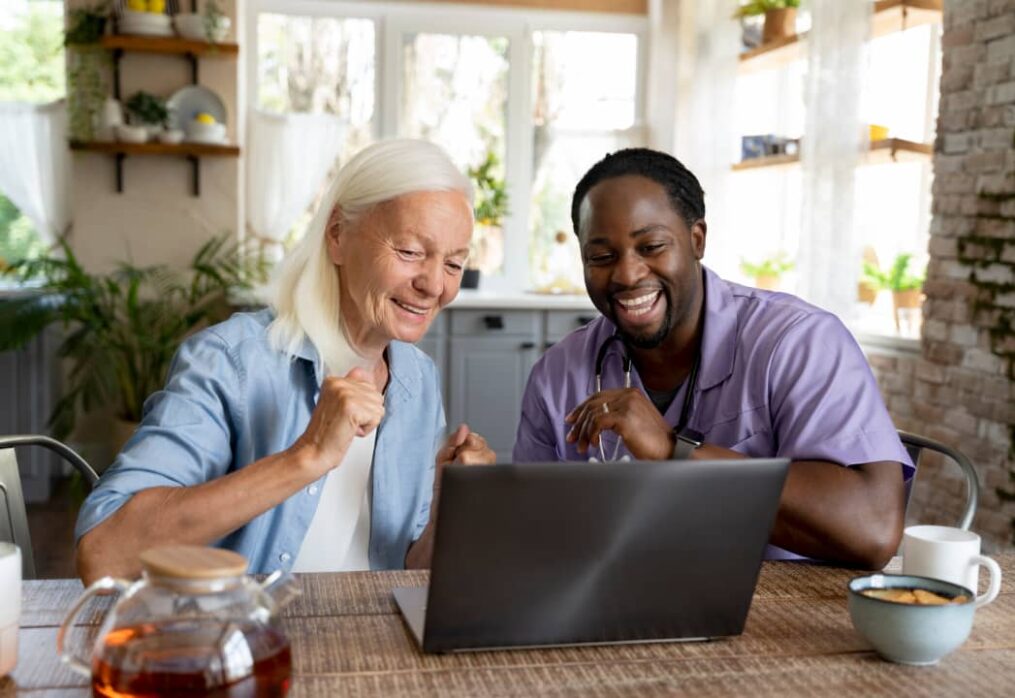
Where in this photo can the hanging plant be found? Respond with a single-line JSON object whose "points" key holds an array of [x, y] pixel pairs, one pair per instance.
{"points": [[87, 62]]}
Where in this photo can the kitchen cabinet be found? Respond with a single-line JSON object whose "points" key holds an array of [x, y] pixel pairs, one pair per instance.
{"points": [[485, 356]]}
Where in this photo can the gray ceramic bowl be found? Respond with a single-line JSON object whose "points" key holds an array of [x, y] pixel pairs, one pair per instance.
{"points": [[905, 633]]}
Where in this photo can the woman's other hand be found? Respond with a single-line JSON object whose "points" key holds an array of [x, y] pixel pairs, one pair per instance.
{"points": [[348, 406], [465, 447]]}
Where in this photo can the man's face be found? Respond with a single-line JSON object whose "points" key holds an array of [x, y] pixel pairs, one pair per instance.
{"points": [[640, 257]]}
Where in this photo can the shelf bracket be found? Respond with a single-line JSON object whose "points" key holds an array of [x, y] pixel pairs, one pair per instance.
{"points": [[195, 174], [194, 63], [117, 55], [120, 157]]}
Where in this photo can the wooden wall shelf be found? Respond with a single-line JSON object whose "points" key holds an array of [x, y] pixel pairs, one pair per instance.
{"points": [[889, 16], [881, 152], [193, 152], [167, 44]]}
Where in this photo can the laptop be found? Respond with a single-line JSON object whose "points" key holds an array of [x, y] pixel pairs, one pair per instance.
{"points": [[553, 554]]}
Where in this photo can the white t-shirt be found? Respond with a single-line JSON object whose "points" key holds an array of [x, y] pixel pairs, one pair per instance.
{"points": [[339, 535]]}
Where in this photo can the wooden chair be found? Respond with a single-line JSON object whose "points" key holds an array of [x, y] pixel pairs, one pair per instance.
{"points": [[13, 517], [916, 444]]}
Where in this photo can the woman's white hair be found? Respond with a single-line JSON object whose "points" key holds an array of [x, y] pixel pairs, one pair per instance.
{"points": [[305, 292]]}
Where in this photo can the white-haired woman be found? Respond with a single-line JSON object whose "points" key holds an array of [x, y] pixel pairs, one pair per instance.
{"points": [[306, 435]]}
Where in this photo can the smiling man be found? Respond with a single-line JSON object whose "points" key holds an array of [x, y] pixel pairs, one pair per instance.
{"points": [[693, 366]]}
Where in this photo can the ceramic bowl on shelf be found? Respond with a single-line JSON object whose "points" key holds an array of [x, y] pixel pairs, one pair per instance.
{"points": [[213, 134], [130, 134], [171, 136], [145, 23], [191, 26]]}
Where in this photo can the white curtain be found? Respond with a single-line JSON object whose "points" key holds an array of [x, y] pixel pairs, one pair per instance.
{"points": [[829, 257], [35, 165], [288, 158], [707, 43]]}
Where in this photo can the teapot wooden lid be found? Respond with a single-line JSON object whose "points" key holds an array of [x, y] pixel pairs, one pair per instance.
{"points": [[193, 562]]}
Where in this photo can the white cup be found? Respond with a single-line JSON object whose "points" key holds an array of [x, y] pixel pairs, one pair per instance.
{"points": [[951, 554], [10, 605]]}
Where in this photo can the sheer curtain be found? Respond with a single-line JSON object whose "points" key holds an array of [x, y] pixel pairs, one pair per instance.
{"points": [[288, 158], [829, 256], [708, 41], [35, 164]]}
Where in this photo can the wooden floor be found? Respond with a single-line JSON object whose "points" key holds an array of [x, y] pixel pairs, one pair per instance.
{"points": [[52, 527]]}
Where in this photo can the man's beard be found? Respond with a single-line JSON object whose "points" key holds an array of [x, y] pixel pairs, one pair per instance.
{"points": [[653, 340]]}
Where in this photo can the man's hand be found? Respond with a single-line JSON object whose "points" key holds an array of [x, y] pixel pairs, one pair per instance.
{"points": [[348, 406], [628, 413]]}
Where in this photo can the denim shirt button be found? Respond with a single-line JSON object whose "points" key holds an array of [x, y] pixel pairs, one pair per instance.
{"points": [[312, 490], [284, 557]]}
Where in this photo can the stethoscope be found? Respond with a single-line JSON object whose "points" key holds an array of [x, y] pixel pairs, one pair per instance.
{"points": [[685, 408]]}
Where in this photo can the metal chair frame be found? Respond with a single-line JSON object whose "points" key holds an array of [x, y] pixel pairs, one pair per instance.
{"points": [[10, 487], [915, 443]]}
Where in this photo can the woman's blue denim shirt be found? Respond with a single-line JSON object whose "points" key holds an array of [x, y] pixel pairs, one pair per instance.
{"points": [[231, 399]]}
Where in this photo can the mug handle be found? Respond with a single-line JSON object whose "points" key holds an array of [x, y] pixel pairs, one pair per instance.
{"points": [[69, 656], [995, 579]]}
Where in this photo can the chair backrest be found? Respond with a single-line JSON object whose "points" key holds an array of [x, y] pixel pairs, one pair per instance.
{"points": [[916, 444], [13, 516]]}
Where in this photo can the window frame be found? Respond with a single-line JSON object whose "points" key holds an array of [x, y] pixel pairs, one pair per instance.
{"points": [[393, 20]]}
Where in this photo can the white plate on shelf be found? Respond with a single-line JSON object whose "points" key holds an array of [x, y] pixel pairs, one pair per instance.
{"points": [[188, 102]]}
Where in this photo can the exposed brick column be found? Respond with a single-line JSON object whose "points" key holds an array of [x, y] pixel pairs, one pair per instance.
{"points": [[963, 387]]}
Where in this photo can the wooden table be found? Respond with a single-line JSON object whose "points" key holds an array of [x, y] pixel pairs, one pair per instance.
{"points": [[348, 639]]}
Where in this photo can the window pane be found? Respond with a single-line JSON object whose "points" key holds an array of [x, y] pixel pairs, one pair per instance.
{"points": [[454, 94], [31, 51], [583, 106], [319, 65]]}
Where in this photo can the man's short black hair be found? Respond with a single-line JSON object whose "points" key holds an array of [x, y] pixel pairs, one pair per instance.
{"points": [[685, 193]]}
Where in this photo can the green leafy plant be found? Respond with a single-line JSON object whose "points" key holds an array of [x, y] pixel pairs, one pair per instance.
{"points": [[897, 278], [760, 7], [147, 108], [123, 327], [211, 20], [86, 25], [774, 266], [491, 191]]}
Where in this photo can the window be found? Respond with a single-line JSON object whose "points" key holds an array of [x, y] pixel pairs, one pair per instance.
{"points": [[31, 70], [546, 93]]}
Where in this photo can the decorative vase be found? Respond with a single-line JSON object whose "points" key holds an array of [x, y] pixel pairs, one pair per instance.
{"points": [[779, 24], [865, 293], [767, 282], [470, 278], [904, 303]]}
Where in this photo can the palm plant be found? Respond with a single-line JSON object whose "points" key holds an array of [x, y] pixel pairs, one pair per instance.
{"points": [[122, 328]]}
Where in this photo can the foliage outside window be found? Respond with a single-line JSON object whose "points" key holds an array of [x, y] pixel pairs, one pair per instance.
{"points": [[31, 70]]}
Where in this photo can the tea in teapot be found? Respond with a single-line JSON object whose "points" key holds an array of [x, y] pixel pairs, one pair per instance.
{"points": [[194, 625]]}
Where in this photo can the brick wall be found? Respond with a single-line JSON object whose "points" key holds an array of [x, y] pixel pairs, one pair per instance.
{"points": [[960, 389]]}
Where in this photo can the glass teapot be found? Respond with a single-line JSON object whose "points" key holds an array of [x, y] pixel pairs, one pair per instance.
{"points": [[194, 624]]}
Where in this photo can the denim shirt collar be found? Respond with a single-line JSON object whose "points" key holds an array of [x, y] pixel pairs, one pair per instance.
{"points": [[404, 372]]}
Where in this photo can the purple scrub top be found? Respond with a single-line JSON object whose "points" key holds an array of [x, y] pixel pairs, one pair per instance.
{"points": [[778, 378]]}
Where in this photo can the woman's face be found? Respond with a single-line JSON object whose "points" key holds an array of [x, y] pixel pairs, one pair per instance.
{"points": [[400, 263]]}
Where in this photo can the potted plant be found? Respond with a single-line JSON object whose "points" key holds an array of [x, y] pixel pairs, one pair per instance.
{"points": [[145, 109], [491, 205], [906, 288], [121, 328], [768, 271], [86, 68], [780, 17]]}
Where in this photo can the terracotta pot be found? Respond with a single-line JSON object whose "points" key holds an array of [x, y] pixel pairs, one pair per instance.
{"points": [[779, 24], [865, 293], [767, 282], [910, 299]]}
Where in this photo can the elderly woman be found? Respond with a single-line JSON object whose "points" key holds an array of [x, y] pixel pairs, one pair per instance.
{"points": [[305, 436]]}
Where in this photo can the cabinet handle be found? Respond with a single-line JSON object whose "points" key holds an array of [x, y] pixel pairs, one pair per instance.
{"points": [[547, 345], [528, 345], [585, 319], [494, 322]]}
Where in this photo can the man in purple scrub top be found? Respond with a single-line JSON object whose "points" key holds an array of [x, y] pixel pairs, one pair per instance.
{"points": [[716, 370]]}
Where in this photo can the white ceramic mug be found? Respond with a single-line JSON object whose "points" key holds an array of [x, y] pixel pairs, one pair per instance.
{"points": [[10, 605], [951, 554]]}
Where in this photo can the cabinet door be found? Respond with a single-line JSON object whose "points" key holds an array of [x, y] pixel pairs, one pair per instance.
{"points": [[487, 377], [434, 344], [560, 323]]}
